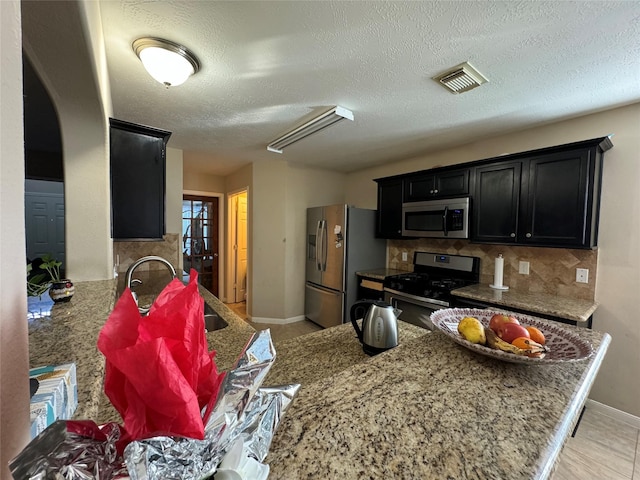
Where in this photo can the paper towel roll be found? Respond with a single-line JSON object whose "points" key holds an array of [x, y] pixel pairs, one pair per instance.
{"points": [[498, 274]]}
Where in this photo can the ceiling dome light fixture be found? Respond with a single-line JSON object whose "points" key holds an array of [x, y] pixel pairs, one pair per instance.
{"points": [[168, 62]]}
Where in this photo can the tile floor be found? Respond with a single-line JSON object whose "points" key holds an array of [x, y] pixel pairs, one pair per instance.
{"points": [[604, 448], [278, 332]]}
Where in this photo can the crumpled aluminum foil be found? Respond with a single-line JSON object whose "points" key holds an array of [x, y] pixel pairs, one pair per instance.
{"points": [[240, 406], [263, 417], [58, 454], [188, 459], [243, 410]]}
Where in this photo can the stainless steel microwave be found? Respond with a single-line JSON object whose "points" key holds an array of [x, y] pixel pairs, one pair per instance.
{"points": [[446, 218]]}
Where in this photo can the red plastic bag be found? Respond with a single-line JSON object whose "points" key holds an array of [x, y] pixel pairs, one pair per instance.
{"points": [[159, 374]]}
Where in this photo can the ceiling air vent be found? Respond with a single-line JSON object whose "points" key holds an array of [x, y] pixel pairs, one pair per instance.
{"points": [[461, 78]]}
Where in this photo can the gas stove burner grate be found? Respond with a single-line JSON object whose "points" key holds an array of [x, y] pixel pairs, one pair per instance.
{"points": [[435, 275]]}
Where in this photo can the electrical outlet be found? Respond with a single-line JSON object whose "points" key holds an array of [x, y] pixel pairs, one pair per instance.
{"points": [[582, 275], [523, 268], [404, 256]]}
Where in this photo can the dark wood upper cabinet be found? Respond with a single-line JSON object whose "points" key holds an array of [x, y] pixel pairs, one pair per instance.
{"points": [[429, 185], [559, 204], [138, 166], [389, 218], [496, 201], [548, 197]]}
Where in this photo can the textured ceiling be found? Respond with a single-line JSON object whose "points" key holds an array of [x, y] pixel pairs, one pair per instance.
{"points": [[266, 66]]}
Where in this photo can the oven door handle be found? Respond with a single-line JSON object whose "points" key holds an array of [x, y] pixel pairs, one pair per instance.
{"points": [[417, 300]]}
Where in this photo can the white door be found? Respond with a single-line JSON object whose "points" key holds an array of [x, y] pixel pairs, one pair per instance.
{"points": [[44, 225], [241, 248]]}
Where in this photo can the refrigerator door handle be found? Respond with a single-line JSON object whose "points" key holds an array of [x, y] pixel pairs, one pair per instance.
{"points": [[324, 245], [318, 245]]}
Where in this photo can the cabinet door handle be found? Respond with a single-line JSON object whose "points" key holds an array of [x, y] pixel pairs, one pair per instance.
{"points": [[435, 191], [430, 191], [513, 235], [528, 235]]}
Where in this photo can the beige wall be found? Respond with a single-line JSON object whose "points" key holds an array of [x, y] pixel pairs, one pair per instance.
{"points": [[307, 187], [77, 92], [618, 272], [203, 182], [268, 239], [278, 195], [173, 199], [14, 354]]}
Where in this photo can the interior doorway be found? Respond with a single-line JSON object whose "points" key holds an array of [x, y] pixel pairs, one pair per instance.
{"points": [[200, 244], [238, 251], [44, 171]]}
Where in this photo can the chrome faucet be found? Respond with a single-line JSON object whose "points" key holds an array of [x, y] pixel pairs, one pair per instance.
{"points": [[129, 281]]}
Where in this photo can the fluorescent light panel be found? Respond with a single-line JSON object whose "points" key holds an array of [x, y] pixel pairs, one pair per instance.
{"points": [[314, 125]]}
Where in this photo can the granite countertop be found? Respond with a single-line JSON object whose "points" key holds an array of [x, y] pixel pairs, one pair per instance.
{"points": [[312, 357], [543, 303], [427, 409], [70, 334], [380, 273]]}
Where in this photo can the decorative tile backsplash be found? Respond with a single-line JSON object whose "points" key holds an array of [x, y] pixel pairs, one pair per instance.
{"points": [[125, 253], [154, 275], [551, 270]]}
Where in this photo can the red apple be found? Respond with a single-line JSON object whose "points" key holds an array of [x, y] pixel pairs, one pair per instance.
{"points": [[510, 331], [499, 319]]}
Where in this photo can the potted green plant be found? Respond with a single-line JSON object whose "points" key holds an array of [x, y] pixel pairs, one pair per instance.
{"points": [[60, 289]]}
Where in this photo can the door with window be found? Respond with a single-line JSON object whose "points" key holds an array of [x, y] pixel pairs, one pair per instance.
{"points": [[200, 244]]}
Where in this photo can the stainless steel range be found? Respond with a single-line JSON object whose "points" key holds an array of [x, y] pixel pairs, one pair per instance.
{"points": [[428, 287]]}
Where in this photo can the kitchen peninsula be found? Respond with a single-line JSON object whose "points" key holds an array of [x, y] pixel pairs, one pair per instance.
{"points": [[427, 409]]}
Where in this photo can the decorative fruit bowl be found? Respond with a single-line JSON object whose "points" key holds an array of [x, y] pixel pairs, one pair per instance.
{"points": [[564, 345]]}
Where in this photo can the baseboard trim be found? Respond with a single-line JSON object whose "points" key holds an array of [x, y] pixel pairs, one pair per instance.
{"points": [[613, 413], [277, 321]]}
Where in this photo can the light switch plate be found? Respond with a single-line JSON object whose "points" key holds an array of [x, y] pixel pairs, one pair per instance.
{"points": [[523, 268], [404, 256], [582, 275]]}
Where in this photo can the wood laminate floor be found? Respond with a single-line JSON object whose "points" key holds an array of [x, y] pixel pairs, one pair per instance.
{"points": [[604, 447]]}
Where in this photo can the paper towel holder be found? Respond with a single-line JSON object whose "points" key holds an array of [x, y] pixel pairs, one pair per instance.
{"points": [[498, 273]]}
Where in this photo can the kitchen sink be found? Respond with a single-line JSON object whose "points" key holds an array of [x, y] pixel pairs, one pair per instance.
{"points": [[212, 321]]}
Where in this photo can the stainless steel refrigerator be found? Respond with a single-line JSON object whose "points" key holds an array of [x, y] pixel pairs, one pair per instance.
{"points": [[340, 242]]}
